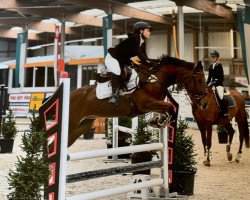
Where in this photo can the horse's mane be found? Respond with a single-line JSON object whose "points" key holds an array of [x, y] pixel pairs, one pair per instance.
{"points": [[165, 59]]}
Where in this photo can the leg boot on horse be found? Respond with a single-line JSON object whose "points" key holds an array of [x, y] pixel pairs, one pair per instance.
{"points": [[115, 82], [230, 132]]}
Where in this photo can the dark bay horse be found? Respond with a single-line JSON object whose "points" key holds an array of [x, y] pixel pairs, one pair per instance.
{"points": [[207, 113], [149, 97]]}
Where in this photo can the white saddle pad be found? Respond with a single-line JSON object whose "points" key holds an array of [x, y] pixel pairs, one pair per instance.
{"points": [[104, 90]]}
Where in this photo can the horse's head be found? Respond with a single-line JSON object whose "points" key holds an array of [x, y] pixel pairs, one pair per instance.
{"points": [[197, 87]]}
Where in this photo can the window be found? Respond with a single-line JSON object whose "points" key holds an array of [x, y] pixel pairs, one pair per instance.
{"points": [[29, 77], [40, 74], [50, 77], [4, 76], [72, 70], [88, 73]]}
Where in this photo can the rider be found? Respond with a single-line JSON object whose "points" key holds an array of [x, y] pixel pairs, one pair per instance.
{"points": [[119, 56], [216, 78]]}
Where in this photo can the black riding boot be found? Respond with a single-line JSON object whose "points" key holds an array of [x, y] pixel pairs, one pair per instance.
{"points": [[223, 107], [115, 81]]}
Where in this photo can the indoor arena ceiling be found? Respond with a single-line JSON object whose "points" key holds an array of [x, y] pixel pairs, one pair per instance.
{"points": [[84, 17]]}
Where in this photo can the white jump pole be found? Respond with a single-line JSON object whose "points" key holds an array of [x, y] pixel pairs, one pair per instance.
{"points": [[115, 151], [117, 190], [64, 138]]}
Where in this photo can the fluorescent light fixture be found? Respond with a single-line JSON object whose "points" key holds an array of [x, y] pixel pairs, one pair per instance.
{"points": [[69, 24], [34, 31], [51, 21], [94, 12], [17, 28], [120, 36]]}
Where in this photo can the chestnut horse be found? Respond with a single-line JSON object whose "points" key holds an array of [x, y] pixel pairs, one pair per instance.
{"points": [[207, 113], [149, 97]]}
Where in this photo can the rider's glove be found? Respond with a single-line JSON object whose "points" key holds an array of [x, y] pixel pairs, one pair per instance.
{"points": [[136, 60]]}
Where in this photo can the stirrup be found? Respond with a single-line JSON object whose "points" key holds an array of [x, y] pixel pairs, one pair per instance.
{"points": [[114, 99], [225, 115]]}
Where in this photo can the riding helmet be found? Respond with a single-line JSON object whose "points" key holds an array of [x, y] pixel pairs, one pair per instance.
{"points": [[214, 53], [141, 25]]}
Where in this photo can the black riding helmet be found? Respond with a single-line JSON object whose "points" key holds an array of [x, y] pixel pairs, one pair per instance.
{"points": [[141, 25], [214, 53]]}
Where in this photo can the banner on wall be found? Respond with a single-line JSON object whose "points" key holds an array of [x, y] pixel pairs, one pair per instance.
{"points": [[36, 101], [243, 13], [21, 54], [22, 104], [19, 104]]}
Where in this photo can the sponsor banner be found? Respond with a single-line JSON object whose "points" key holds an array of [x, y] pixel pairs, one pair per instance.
{"points": [[22, 104], [36, 101]]}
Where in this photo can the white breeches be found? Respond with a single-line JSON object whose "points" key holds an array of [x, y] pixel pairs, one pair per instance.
{"points": [[112, 64], [220, 90]]}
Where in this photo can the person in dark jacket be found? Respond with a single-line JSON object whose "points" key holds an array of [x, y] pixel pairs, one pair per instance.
{"points": [[216, 78], [120, 55]]}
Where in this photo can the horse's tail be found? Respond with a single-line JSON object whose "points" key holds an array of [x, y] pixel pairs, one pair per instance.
{"points": [[246, 132]]}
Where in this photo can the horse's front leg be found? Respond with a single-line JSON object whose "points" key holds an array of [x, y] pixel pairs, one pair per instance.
{"points": [[230, 131], [202, 128], [208, 151], [149, 104]]}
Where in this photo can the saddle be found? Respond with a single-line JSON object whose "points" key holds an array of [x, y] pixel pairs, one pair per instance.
{"points": [[105, 76], [226, 95]]}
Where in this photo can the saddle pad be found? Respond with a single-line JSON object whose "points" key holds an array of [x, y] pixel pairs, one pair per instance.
{"points": [[230, 101], [104, 90]]}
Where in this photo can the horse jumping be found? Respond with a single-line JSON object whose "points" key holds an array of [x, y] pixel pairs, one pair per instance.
{"points": [[149, 97], [207, 113]]}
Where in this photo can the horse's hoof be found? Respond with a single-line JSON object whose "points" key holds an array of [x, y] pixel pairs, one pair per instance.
{"points": [[206, 163], [229, 157], [154, 122], [165, 120]]}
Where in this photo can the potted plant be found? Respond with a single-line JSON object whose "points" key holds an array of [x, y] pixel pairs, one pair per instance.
{"points": [[222, 134], [8, 133], [184, 164], [31, 171], [144, 135]]}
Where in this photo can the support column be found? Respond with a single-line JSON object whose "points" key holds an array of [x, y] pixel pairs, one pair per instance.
{"points": [[62, 40], [201, 40], [195, 44], [232, 43], [180, 34], [107, 33], [79, 76]]}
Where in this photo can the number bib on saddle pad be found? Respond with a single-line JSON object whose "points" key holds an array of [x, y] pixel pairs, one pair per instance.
{"points": [[104, 90]]}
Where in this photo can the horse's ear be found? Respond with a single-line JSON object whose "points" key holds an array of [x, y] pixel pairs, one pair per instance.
{"points": [[199, 66]]}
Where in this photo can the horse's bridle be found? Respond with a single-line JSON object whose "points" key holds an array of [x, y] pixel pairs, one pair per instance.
{"points": [[197, 95]]}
